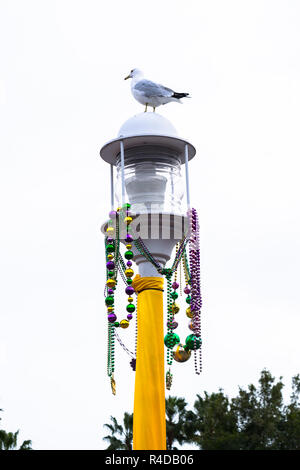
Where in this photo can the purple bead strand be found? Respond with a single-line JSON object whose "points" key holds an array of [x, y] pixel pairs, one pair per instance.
{"points": [[196, 297]]}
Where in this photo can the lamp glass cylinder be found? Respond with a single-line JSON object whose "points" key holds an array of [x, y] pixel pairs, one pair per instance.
{"points": [[153, 180]]}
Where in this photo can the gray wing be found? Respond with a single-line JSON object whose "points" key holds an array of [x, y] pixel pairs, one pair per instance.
{"points": [[150, 89]]}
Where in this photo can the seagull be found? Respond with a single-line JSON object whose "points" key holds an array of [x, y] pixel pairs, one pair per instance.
{"points": [[150, 93]]}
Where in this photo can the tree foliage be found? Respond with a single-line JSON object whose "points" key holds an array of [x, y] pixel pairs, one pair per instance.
{"points": [[175, 419], [212, 424], [120, 437], [9, 441], [256, 419]]}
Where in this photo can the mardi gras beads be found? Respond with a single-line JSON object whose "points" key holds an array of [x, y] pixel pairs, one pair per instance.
{"points": [[115, 264], [189, 262], [196, 298]]}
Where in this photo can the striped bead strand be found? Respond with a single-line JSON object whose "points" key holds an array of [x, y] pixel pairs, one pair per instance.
{"points": [[129, 290], [196, 298], [171, 338]]}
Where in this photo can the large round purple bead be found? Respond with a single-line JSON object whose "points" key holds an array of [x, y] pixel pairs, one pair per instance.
{"points": [[112, 214], [110, 265], [129, 290], [111, 318]]}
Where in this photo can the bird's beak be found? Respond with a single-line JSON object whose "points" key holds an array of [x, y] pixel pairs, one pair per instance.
{"points": [[128, 76]]}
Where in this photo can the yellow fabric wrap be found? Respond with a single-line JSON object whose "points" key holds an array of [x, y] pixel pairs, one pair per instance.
{"points": [[149, 419]]}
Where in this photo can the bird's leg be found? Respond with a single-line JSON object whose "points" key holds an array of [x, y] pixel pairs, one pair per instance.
{"points": [[154, 109], [146, 108]]}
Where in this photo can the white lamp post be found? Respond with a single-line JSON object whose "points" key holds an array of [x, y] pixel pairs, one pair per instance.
{"points": [[148, 156]]}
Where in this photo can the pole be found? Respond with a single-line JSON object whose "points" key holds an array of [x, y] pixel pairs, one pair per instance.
{"points": [[149, 422], [186, 155], [122, 170], [112, 202]]}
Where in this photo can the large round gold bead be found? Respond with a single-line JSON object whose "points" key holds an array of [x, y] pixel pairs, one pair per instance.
{"points": [[128, 220], [130, 299], [129, 272], [175, 308], [128, 246], [124, 324], [180, 354], [110, 309], [110, 256], [189, 313], [110, 230], [111, 283]]}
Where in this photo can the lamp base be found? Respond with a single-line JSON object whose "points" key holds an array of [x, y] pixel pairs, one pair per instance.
{"points": [[159, 232]]}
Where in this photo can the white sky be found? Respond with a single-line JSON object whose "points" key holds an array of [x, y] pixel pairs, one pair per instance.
{"points": [[62, 96]]}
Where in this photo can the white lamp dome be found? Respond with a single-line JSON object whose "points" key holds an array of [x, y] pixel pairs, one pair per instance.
{"points": [[146, 129], [147, 124]]}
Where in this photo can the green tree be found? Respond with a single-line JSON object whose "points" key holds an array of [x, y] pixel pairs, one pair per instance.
{"points": [[175, 420], [212, 425], [256, 419], [120, 437], [290, 425], [260, 413], [9, 441]]}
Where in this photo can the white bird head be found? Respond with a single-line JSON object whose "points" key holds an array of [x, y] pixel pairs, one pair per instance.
{"points": [[134, 73]]}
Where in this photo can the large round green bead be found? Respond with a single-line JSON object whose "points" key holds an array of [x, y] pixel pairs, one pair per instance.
{"points": [[188, 299], [171, 339], [129, 281], [130, 308], [128, 254], [174, 295], [110, 273], [110, 248], [109, 300], [193, 342]]}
